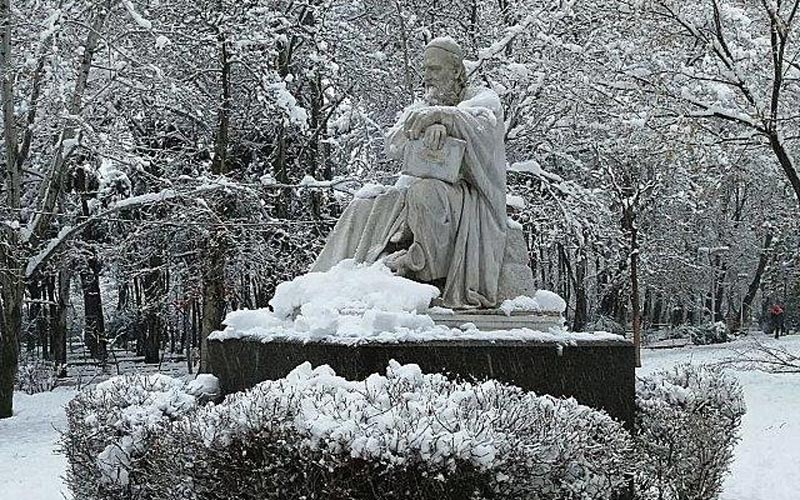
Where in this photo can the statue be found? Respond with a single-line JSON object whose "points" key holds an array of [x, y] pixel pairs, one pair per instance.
{"points": [[445, 220]]}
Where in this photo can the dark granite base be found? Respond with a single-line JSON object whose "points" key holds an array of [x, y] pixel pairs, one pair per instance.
{"points": [[598, 374]]}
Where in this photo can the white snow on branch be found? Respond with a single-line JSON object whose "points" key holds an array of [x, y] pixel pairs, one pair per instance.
{"points": [[37, 259], [137, 18], [533, 167], [162, 41], [51, 25], [515, 201], [284, 99], [164, 195]]}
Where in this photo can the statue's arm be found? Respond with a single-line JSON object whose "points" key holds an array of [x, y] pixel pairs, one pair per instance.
{"points": [[397, 136]]}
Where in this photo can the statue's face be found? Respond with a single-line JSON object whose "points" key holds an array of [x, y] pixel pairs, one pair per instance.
{"points": [[441, 78]]}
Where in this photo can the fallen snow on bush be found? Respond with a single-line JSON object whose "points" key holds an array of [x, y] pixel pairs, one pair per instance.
{"points": [[530, 444], [687, 423], [356, 303], [111, 423]]}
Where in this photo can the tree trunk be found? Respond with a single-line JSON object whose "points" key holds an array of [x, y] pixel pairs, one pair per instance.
{"points": [[745, 311], [9, 349], [35, 327], [60, 324], [94, 333], [213, 296], [153, 289], [581, 302], [152, 338], [637, 318]]}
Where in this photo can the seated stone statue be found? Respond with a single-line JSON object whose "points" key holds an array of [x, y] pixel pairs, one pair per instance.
{"points": [[445, 230]]}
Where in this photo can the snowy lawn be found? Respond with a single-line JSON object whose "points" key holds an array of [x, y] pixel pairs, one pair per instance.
{"points": [[767, 460], [766, 467], [29, 467]]}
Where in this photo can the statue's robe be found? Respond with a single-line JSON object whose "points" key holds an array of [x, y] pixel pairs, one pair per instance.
{"points": [[459, 230]]}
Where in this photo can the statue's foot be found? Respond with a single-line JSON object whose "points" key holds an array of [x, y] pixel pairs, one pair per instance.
{"points": [[397, 262]]}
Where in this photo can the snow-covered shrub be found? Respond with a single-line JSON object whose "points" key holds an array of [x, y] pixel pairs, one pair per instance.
{"points": [[606, 324], [709, 333], [35, 375], [111, 425], [686, 429], [315, 435]]}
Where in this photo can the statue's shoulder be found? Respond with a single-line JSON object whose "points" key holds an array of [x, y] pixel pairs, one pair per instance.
{"points": [[482, 97]]}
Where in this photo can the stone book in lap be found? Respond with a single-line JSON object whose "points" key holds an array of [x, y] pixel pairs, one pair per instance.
{"points": [[443, 164]]}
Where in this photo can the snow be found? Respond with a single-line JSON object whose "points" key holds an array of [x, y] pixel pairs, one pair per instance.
{"points": [[350, 286], [766, 464], [515, 201], [767, 460], [141, 199], [311, 182], [204, 385], [31, 469], [162, 41], [359, 303], [542, 301], [407, 415], [267, 180], [151, 399], [51, 24], [351, 300], [358, 418], [285, 100], [535, 168], [36, 260], [137, 18], [371, 190]]}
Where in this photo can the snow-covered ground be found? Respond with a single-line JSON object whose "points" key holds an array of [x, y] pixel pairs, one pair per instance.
{"points": [[766, 467], [29, 467], [767, 460]]}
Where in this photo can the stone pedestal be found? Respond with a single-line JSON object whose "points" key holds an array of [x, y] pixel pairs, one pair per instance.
{"points": [[489, 320], [600, 374]]}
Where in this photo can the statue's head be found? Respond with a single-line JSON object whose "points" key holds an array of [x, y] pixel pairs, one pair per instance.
{"points": [[445, 74]]}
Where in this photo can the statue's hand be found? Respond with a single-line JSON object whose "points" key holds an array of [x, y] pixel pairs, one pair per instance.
{"points": [[434, 136], [419, 121]]}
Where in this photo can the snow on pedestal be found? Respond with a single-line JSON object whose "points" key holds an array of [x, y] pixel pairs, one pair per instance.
{"points": [[356, 318], [356, 303]]}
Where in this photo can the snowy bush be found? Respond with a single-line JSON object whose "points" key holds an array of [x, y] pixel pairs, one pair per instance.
{"points": [[315, 435], [606, 324], [110, 427], [35, 375], [403, 435], [686, 429], [709, 333]]}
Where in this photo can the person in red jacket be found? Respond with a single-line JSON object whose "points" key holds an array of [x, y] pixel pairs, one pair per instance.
{"points": [[776, 314]]}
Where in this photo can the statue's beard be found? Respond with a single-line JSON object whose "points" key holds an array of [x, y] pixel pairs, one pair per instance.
{"points": [[443, 95]]}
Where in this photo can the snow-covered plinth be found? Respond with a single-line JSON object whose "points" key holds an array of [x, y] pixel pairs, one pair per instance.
{"points": [[357, 304], [357, 318]]}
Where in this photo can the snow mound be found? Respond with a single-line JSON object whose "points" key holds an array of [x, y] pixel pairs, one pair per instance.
{"points": [[351, 288], [350, 300], [543, 301], [205, 386], [359, 303]]}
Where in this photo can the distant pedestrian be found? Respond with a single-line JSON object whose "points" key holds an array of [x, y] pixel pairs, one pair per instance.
{"points": [[776, 321]]}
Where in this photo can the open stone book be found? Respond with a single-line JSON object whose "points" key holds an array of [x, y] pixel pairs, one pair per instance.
{"points": [[443, 164]]}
